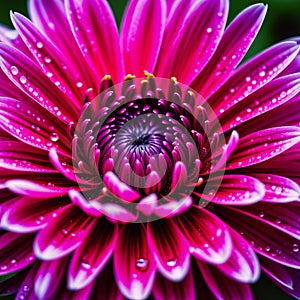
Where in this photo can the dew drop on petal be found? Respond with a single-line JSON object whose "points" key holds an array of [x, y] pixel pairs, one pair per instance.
{"points": [[47, 60], [209, 30], [261, 214], [54, 137], [171, 262], [142, 264], [79, 84], [296, 248], [14, 70], [39, 45], [23, 79], [267, 248], [85, 265]]}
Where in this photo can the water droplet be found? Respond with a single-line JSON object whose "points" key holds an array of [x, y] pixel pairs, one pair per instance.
{"points": [[79, 84], [14, 70], [248, 79], [39, 45], [86, 265], [278, 221], [278, 190], [23, 79], [142, 264], [209, 30], [262, 73], [171, 262], [54, 137], [267, 248], [261, 214], [47, 60], [296, 248]]}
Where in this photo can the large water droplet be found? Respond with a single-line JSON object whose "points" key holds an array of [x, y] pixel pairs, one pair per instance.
{"points": [[142, 264], [54, 137], [23, 79], [171, 262], [14, 70], [39, 45], [261, 214]]}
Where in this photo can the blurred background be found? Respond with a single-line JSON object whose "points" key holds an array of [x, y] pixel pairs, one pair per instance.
{"points": [[282, 21]]}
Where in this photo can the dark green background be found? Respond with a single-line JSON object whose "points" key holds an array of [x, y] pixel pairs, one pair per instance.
{"points": [[282, 21]]}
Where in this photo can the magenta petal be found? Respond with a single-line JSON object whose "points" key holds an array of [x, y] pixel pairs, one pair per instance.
{"points": [[279, 189], [35, 190], [148, 204], [114, 212], [15, 252], [49, 277], [263, 145], [141, 34], [243, 264], [93, 26], [173, 208], [248, 79], [32, 81], [235, 190], [119, 188], [50, 59], [86, 205], [165, 289], [195, 42], [26, 290], [208, 237], [223, 287], [273, 94], [233, 46], [170, 249], [45, 16], [134, 264], [284, 217], [15, 155], [287, 279], [264, 237], [63, 234], [29, 214], [93, 254]]}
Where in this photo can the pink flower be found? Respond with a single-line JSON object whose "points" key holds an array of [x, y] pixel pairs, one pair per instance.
{"points": [[145, 191]]}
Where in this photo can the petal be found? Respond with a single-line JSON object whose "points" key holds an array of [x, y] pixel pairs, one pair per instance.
{"points": [[49, 277], [86, 205], [208, 237], [35, 190], [165, 289], [29, 214], [283, 217], [33, 125], [263, 145], [273, 94], [50, 60], [120, 189], [243, 264], [62, 235], [170, 249], [50, 18], [248, 78], [134, 265], [141, 34], [26, 290], [15, 155], [234, 190], [26, 75], [234, 44], [196, 41], [279, 189], [173, 208], [93, 254], [265, 238], [222, 286], [15, 252], [98, 28], [285, 278]]}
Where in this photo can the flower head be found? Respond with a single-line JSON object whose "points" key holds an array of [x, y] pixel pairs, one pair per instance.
{"points": [[147, 163]]}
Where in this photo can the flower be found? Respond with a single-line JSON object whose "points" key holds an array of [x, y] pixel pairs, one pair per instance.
{"points": [[175, 188]]}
